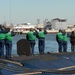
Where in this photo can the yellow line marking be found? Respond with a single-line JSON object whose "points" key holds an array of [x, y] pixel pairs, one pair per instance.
{"points": [[66, 68]]}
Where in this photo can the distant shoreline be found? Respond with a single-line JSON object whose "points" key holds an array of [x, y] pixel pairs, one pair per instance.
{"points": [[48, 31]]}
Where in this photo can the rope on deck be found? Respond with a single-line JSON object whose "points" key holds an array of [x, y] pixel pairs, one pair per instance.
{"points": [[12, 62], [12, 68], [20, 69]]}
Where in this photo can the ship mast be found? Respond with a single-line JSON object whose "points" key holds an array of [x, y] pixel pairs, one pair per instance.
{"points": [[10, 11]]}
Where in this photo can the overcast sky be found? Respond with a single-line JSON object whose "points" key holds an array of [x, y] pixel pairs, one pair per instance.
{"points": [[19, 11]]}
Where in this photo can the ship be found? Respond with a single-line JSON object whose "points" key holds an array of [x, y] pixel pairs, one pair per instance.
{"points": [[46, 64], [23, 28]]}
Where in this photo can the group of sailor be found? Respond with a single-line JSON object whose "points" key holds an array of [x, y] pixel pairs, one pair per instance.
{"points": [[61, 37], [6, 35], [5, 41], [32, 35]]}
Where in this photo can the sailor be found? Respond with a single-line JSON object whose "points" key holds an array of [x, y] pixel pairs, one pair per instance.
{"points": [[59, 38], [64, 40], [3, 31], [8, 43], [31, 36], [72, 41], [41, 40]]}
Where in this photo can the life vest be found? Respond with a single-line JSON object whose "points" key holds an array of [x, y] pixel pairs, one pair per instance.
{"points": [[41, 34], [8, 36], [65, 38], [60, 37], [31, 35], [2, 36]]}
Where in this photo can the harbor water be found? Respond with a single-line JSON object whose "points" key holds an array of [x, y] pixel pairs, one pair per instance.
{"points": [[50, 44]]}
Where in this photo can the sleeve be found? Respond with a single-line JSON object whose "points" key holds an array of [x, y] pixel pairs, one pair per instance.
{"points": [[27, 37], [13, 34], [45, 32], [36, 34], [4, 31], [57, 38]]}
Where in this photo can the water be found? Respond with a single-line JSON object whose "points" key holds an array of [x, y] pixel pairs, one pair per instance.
{"points": [[50, 44]]}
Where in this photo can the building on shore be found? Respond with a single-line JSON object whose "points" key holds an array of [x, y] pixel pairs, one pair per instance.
{"points": [[58, 23]]}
